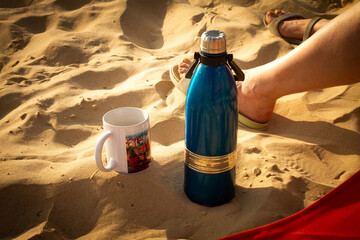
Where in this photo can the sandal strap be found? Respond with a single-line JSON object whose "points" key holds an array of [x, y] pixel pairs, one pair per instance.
{"points": [[310, 27]]}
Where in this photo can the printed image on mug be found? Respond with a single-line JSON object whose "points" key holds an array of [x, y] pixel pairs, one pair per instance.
{"points": [[127, 141], [138, 152]]}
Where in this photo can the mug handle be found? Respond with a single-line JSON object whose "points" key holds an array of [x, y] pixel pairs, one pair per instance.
{"points": [[98, 150]]}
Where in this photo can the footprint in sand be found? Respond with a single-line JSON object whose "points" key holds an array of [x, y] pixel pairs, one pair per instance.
{"points": [[33, 24], [197, 18], [93, 80], [65, 23], [15, 4], [71, 5], [142, 22]]}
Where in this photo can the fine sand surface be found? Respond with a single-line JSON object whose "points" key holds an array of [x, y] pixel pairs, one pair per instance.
{"points": [[64, 63]]}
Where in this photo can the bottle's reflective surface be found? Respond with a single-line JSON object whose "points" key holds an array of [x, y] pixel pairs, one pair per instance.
{"points": [[211, 134]]}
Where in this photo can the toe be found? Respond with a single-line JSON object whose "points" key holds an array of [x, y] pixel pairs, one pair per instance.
{"points": [[282, 12], [269, 17], [279, 12]]}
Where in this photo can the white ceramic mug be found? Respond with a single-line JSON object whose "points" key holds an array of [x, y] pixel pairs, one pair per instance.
{"points": [[127, 141]]}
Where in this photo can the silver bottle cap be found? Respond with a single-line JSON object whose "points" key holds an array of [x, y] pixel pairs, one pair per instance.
{"points": [[213, 42]]}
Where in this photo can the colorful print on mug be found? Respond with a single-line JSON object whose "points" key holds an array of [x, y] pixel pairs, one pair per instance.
{"points": [[138, 152]]}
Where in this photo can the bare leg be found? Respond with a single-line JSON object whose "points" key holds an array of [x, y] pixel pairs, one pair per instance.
{"points": [[290, 28], [315, 64]]}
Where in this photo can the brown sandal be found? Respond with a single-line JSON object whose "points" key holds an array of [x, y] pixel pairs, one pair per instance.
{"points": [[310, 26], [274, 26]]}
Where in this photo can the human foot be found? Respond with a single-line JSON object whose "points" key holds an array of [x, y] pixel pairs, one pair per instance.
{"points": [[293, 28], [253, 102]]}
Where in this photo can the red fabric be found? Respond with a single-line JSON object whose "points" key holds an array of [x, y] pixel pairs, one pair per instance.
{"points": [[334, 216]]}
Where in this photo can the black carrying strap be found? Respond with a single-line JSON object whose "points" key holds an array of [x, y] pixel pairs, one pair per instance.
{"points": [[239, 75], [215, 61], [194, 63]]}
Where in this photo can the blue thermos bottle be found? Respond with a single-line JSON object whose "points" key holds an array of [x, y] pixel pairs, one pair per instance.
{"points": [[211, 123]]}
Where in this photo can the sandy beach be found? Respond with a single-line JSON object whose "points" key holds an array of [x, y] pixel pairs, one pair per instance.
{"points": [[64, 64]]}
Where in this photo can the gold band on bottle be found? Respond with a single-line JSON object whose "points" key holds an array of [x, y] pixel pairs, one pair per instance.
{"points": [[210, 164]]}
